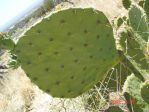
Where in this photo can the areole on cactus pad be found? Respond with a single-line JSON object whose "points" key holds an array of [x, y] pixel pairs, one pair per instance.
{"points": [[68, 52]]}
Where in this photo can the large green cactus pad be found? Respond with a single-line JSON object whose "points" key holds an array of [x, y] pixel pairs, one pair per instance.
{"points": [[68, 52]]}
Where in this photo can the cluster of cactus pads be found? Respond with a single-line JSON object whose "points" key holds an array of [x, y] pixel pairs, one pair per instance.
{"points": [[71, 50]]}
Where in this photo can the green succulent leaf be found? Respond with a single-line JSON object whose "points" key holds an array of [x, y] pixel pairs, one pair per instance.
{"points": [[132, 93], [138, 21], [67, 53]]}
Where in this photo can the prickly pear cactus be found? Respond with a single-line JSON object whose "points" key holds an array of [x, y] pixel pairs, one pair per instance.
{"points": [[67, 53], [131, 47], [114, 109], [134, 37], [132, 93], [145, 91], [138, 21]]}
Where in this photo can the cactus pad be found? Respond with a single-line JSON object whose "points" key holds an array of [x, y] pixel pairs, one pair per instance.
{"points": [[68, 52], [145, 91], [132, 93], [128, 42], [138, 21]]}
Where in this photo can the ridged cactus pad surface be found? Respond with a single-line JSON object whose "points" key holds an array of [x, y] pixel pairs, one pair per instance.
{"points": [[68, 52]]}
